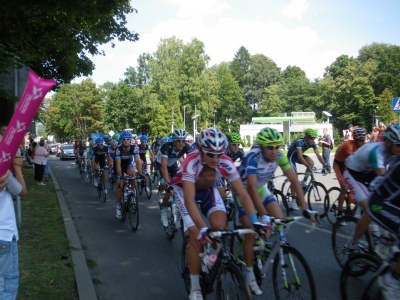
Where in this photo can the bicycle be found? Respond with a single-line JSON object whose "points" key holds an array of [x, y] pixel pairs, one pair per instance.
{"points": [[342, 235], [370, 267], [331, 203], [111, 177], [145, 183], [101, 185], [175, 221], [154, 174], [315, 191], [89, 171], [130, 203], [279, 196], [230, 283], [291, 275], [82, 168]]}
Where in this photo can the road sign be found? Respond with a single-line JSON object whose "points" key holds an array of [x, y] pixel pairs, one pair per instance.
{"points": [[111, 133], [396, 104]]}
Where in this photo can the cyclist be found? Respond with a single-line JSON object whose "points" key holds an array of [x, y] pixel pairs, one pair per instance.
{"points": [[111, 156], [256, 170], [171, 152], [76, 146], [363, 166], [233, 151], [99, 158], [82, 153], [126, 159], [198, 179], [384, 208], [295, 155], [154, 149], [343, 151], [144, 148], [189, 140]]}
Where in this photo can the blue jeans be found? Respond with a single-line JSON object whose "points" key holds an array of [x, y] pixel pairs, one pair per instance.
{"points": [[326, 155], [9, 274]]}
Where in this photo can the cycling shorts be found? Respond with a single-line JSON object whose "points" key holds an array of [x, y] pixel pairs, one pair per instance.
{"points": [[210, 201], [265, 195], [293, 159], [338, 167], [127, 164], [171, 170], [101, 161], [357, 183]]}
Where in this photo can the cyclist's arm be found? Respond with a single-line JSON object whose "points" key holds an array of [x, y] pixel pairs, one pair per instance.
{"points": [[138, 163], [190, 203], [253, 193], [244, 197], [292, 177], [321, 160], [164, 168], [380, 171], [118, 166]]}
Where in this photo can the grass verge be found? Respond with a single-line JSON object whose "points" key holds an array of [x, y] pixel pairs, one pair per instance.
{"points": [[45, 261]]}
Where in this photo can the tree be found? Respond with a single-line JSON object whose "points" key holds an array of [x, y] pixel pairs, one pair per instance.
{"points": [[385, 110], [272, 105], [75, 111], [240, 66], [54, 38]]}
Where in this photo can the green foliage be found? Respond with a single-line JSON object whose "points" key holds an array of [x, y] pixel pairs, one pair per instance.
{"points": [[385, 110], [240, 65]]}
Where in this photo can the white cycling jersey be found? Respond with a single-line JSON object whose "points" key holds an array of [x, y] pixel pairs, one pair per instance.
{"points": [[370, 157]]}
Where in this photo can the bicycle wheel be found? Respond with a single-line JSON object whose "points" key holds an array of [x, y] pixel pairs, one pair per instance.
{"points": [[373, 290], [90, 175], [139, 184], [154, 179], [298, 282], [231, 284], [104, 191], [331, 204], [342, 234], [133, 210], [353, 287], [148, 187], [124, 209], [99, 188], [287, 193], [316, 196], [282, 201], [170, 229]]}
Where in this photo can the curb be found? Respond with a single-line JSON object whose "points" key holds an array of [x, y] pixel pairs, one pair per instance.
{"points": [[82, 276]]}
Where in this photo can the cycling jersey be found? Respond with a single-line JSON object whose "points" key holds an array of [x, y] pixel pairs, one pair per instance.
{"points": [[168, 151], [126, 156], [345, 150], [368, 158], [155, 147], [302, 144], [143, 150], [82, 151], [254, 163], [193, 147], [238, 156], [100, 155], [112, 153]]}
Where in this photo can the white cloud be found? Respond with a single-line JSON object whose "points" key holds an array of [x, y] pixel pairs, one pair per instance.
{"points": [[190, 8], [295, 9]]}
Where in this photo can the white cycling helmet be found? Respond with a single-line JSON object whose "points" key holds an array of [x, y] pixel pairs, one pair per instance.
{"points": [[212, 140]]}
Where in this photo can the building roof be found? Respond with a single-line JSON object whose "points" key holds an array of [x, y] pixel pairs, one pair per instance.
{"points": [[282, 119]]}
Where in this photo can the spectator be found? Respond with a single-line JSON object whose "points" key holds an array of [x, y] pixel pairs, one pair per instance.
{"points": [[40, 160], [46, 166], [382, 129], [348, 134], [325, 143], [374, 134], [394, 122], [9, 185]]}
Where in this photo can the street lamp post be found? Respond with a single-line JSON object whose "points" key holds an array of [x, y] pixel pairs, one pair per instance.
{"points": [[214, 116], [374, 120], [184, 118]]}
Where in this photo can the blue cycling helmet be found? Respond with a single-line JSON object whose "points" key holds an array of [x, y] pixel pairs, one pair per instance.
{"points": [[179, 134], [125, 135], [158, 138], [100, 140], [144, 138]]}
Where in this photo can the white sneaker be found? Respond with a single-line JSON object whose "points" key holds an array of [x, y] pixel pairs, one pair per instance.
{"points": [[96, 183], [303, 183], [196, 295], [164, 219], [147, 189], [293, 205], [389, 290], [254, 288], [105, 191], [119, 213]]}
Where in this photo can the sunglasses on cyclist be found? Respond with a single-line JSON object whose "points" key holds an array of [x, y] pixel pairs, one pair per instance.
{"points": [[272, 147], [235, 144], [212, 155], [100, 144], [180, 141], [126, 139]]}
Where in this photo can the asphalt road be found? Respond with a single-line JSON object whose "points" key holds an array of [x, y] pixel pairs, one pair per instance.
{"points": [[144, 265]]}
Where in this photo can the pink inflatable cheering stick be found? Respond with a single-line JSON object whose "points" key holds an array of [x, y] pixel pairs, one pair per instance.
{"points": [[35, 90]]}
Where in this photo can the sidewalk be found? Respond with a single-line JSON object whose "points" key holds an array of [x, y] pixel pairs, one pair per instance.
{"points": [[83, 279]]}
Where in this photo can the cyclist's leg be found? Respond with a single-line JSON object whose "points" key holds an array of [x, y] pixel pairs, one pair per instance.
{"points": [[338, 167]]}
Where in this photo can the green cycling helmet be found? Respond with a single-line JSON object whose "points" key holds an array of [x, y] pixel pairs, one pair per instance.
{"points": [[234, 137], [269, 136], [311, 133]]}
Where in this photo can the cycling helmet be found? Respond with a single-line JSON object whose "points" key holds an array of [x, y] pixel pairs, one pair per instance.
{"points": [[134, 136], [125, 135], [164, 140], [83, 141], [179, 134], [92, 143], [198, 136], [189, 138], [144, 138], [115, 137], [212, 140], [359, 133], [114, 143], [392, 133], [268, 136], [311, 133], [99, 140], [158, 138], [234, 137]]}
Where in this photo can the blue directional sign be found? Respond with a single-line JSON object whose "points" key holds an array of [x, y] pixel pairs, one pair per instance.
{"points": [[396, 104]]}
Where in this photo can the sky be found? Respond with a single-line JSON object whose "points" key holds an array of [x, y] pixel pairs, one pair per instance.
{"points": [[309, 34]]}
